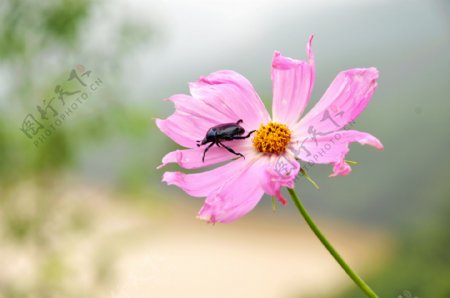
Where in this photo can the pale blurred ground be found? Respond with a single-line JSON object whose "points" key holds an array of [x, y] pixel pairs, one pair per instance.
{"points": [[260, 257], [164, 251]]}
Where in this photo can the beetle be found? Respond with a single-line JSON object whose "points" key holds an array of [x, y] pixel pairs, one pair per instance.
{"points": [[224, 132]]}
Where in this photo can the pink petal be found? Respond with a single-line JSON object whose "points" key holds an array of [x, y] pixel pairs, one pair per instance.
{"points": [[221, 97], [192, 158], [235, 197], [204, 183], [332, 148], [292, 84], [278, 171], [190, 121], [234, 189], [347, 96], [231, 190], [232, 95]]}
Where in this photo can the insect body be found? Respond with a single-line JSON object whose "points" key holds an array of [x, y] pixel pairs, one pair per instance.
{"points": [[223, 132]]}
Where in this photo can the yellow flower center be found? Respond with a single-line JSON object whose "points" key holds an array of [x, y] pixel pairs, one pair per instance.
{"points": [[272, 138]]}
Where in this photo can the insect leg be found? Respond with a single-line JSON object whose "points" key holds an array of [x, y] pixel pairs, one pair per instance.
{"points": [[243, 137], [230, 150], [204, 152]]}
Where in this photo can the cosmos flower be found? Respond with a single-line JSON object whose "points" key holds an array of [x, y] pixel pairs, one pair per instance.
{"points": [[273, 151]]}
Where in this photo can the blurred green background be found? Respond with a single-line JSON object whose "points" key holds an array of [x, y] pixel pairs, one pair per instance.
{"points": [[81, 204]]}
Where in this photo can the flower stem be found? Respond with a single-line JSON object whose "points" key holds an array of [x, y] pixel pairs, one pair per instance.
{"points": [[358, 281]]}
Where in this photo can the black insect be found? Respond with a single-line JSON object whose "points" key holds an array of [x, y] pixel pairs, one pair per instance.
{"points": [[224, 132]]}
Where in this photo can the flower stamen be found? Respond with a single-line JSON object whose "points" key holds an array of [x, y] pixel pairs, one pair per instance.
{"points": [[272, 138]]}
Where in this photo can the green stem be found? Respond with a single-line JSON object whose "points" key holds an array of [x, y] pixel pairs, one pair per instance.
{"points": [[358, 281]]}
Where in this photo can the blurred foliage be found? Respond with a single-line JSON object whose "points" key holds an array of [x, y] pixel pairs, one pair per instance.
{"points": [[29, 25], [35, 223], [64, 16], [29, 29], [419, 265], [32, 34], [38, 230]]}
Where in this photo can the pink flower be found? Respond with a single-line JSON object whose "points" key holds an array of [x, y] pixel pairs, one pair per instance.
{"points": [[272, 152]]}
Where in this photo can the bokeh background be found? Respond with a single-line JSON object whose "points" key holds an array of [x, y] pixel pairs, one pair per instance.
{"points": [[83, 212]]}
